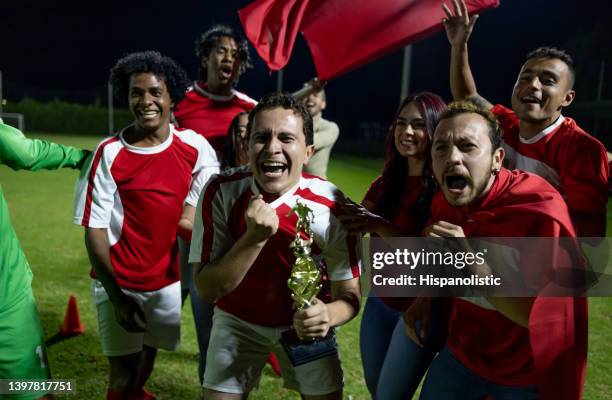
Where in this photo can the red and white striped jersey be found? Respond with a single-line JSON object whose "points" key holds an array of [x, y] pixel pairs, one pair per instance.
{"points": [[137, 194], [570, 159], [210, 115], [262, 297]]}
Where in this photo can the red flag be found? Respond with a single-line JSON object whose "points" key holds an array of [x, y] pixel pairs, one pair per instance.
{"points": [[342, 34], [271, 26]]}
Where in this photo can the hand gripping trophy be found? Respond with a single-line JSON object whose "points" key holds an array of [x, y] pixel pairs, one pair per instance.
{"points": [[304, 284], [305, 279]]}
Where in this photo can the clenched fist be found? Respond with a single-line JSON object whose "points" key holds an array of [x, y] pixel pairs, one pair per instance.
{"points": [[261, 220]]}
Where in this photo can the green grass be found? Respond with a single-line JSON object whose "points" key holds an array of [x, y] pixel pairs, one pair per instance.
{"points": [[41, 204]]}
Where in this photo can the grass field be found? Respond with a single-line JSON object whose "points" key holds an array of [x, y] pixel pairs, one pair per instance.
{"points": [[41, 204]]}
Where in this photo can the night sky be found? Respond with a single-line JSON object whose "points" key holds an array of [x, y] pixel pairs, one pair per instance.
{"points": [[64, 49]]}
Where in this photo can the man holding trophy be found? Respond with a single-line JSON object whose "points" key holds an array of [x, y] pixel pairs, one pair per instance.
{"points": [[260, 237]]}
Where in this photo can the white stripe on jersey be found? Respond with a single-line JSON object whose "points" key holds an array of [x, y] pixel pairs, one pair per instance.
{"points": [[329, 235], [206, 166], [104, 187], [544, 133], [244, 97], [516, 160]]}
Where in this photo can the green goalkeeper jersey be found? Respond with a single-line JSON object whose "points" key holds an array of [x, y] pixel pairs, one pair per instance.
{"points": [[19, 152]]}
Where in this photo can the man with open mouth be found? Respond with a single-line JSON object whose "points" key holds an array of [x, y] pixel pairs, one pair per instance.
{"points": [[212, 101], [536, 136], [242, 260], [209, 106], [499, 347]]}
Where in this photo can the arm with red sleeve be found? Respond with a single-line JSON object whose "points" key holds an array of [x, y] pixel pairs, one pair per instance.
{"points": [[584, 179], [558, 326]]}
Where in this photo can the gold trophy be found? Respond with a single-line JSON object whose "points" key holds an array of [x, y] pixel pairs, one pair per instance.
{"points": [[305, 280], [304, 284]]}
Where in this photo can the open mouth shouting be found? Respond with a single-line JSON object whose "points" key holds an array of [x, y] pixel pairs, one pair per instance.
{"points": [[273, 169], [225, 71], [455, 183]]}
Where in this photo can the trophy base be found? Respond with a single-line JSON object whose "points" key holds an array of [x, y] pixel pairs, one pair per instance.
{"points": [[300, 352]]}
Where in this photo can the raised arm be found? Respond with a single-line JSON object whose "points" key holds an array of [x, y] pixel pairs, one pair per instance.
{"points": [[19, 152], [312, 86], [218, 278], [459, 26]]}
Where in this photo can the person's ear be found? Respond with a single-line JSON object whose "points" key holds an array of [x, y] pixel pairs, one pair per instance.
{"points": [[498, 159], [309, 153], [569, 97]]}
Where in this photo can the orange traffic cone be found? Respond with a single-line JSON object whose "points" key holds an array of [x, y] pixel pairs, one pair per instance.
{"points": [[72, 325]]}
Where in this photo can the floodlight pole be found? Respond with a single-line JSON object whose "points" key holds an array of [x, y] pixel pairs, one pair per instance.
{"points": [[111, 119], [407, 63], [279, 80]]}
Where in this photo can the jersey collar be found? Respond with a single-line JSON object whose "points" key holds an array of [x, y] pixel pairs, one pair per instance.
{"points": [[284, 199], [544, 133], [148, 150], [204, 92]]}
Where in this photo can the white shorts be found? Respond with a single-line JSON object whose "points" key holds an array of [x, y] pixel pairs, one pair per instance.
{"points": [[237, 353], [162, 309]]}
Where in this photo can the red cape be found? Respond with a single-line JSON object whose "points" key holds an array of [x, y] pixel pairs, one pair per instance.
{"points": [[558, 327]]}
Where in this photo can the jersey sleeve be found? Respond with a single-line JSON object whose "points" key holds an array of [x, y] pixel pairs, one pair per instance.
{"points": [[211, 237], [506, 117], [584, 180], [19, 152], [341, 252], [95, 191], [207, 165]]}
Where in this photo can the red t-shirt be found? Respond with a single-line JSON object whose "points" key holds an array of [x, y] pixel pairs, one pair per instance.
{"points": [[263, 297], [210, 115], [405, 220], [552, 352], [570, 159], [137, 194]]}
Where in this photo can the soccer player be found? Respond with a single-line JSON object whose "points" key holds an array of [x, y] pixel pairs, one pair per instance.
{"points": [[212, 102], [240, 248], [22, 340], [130, 201], [209, 106], [536, 136], [510, 348]]}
